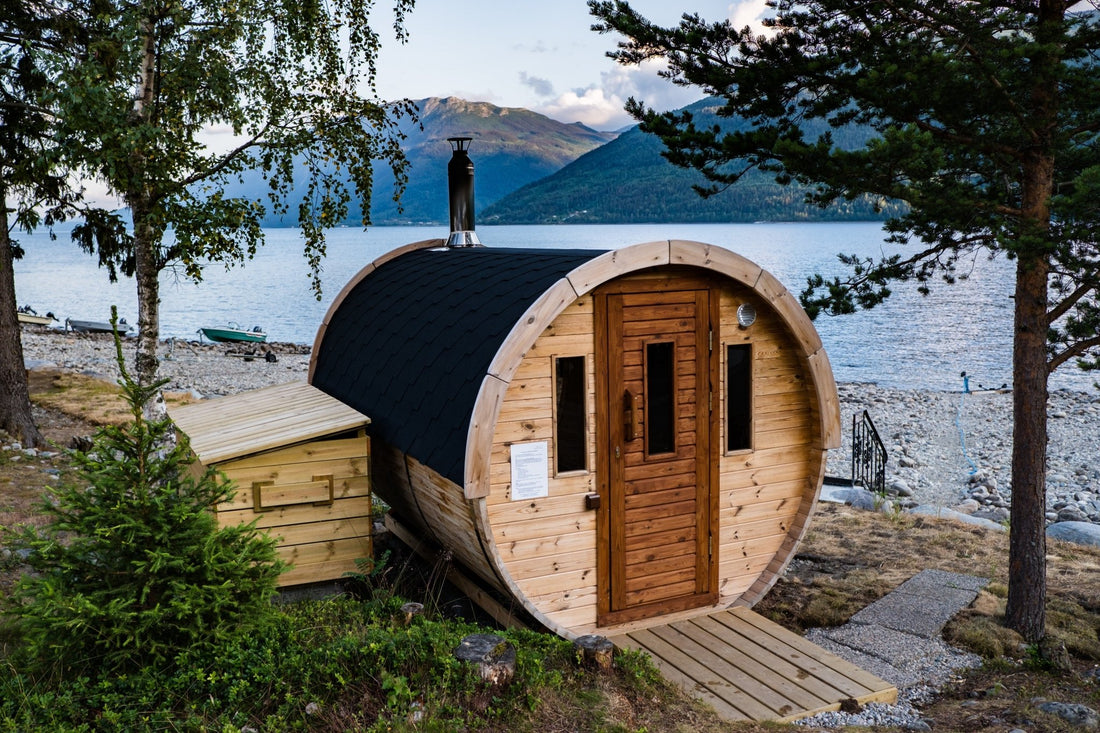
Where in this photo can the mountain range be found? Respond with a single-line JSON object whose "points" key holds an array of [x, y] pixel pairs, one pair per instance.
{"points": [[628, 181], [530, 169]]}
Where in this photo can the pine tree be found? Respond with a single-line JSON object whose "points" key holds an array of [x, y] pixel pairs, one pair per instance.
{"points": [[132, 568], [986, 117]]}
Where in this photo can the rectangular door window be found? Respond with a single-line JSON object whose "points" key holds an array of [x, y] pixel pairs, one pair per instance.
{"points": [[571, 446], [739, 397], [660, 399]]}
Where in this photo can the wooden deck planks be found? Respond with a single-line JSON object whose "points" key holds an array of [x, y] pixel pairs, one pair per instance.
{"points": [[749, 668]]}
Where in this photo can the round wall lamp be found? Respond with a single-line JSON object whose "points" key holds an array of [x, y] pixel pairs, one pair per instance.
{"points": [[746, 315]]}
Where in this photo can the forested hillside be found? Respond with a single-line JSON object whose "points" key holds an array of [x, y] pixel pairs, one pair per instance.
{"points": [[627, 181]]}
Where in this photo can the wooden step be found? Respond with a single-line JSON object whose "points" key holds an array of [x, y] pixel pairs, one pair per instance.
{"points": [[749, 668]]}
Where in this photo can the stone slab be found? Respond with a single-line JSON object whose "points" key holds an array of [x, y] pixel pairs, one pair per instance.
{"points": [[931, 580], [915, 614]]}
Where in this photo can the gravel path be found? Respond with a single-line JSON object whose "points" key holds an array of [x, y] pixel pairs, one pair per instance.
{"points": [[943, 447]]}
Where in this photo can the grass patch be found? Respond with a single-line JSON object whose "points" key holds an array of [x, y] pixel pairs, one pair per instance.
{"points": [[345, 664], [88, 398]]}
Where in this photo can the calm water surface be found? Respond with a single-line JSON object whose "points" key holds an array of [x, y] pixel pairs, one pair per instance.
{"points": [[911, 341]]}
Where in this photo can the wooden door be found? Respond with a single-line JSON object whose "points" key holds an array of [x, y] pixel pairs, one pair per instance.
{"points": [[658, 519]]}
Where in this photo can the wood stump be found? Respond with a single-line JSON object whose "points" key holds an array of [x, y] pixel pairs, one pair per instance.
{"points": [[595, 652], [495, 658], [411, 610]]}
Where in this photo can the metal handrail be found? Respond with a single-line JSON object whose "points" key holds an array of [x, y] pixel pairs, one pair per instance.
{"points": [[868, 455]]}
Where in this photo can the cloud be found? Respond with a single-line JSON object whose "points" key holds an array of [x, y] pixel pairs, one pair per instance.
{"points": [[588, 106], [601, 105], [749, 13], [540, 86]]}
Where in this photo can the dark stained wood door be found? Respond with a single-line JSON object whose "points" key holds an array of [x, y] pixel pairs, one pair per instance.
{"points": [[658, 527]]}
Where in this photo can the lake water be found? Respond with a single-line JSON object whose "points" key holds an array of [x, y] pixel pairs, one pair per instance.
{"points": [[910, 341]]}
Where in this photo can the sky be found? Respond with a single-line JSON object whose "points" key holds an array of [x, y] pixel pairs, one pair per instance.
{"points": [[538, 54]]}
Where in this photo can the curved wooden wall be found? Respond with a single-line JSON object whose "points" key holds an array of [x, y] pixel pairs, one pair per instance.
{"points": [[543, 552]]}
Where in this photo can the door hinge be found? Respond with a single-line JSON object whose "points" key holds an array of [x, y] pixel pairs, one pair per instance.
{"points": [[710, 340], [710, 546], [710, 401]]}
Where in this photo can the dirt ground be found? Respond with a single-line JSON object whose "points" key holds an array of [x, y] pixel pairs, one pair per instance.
{"points": [[847, 560]]}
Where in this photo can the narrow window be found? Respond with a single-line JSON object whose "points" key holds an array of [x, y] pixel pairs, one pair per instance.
{"points": [[569, 414], [738, 397], [660, 397]]}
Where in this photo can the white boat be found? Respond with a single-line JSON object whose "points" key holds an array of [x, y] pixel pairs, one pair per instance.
{"points": [[26, 314], [71, 324]]}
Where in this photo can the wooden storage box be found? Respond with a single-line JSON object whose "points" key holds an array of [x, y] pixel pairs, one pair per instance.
{"points": [[301, 463]]}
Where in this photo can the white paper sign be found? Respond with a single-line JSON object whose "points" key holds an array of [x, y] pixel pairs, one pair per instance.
{"points": [[530, 470]]}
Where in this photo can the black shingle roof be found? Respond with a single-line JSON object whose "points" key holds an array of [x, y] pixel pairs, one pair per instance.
{"points": [[410, 345]]}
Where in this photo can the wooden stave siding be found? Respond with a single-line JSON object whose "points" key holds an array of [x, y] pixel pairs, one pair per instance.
{"points": [[777, 483], [322, 542], [552, 563], [523, 533], [434, 505]]}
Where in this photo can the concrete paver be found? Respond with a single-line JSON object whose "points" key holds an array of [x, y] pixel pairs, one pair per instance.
{"points": [[897, 637]]}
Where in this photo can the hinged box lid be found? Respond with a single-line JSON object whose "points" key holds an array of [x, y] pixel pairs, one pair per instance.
{"points": [[251, 422]]}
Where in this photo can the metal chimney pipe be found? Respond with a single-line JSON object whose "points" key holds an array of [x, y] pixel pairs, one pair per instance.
{"points": [[460, 190]]}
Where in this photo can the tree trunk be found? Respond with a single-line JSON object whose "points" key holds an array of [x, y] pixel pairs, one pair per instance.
{"points": [[1026, 610], [16, 417], [146, 236], [146, 274], [1027, 543]]}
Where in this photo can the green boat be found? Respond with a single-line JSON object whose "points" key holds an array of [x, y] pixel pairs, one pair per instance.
{"points": [[233, 332]]}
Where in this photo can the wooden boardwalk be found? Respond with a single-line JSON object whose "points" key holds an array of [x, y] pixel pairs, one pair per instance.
{"points": [[749, 668]]}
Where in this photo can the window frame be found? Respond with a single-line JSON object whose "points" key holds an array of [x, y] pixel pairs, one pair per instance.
{"points": [[748, 424], [556, 417]]}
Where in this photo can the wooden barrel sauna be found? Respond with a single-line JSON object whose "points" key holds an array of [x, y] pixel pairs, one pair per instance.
{"points": [[610, 438]]}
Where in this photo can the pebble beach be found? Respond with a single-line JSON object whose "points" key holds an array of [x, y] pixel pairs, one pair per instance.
{"points": [[945, 449]]}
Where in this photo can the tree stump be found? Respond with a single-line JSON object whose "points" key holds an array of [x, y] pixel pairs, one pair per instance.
{"points": [[595, 652], [411, 611], [495, 658]]}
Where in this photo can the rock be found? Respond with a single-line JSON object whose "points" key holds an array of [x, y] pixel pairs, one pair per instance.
{"points": [[495, 658], [1072, 514], [1053, 652], [1083, 533], [968, 507], [1073, 713], [899, 487], [857, 498], [942, 513], [993, 514], [907, 462]]}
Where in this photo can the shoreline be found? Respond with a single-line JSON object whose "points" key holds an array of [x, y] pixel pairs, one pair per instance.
{"points": [[945, 449]]}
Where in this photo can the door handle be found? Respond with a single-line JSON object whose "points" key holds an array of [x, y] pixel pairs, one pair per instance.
{"points": [[630, 416]]}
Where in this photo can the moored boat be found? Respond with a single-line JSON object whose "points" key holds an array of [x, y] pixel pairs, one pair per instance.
{"points": [[72, 324], [28, 315], [233, 332]]}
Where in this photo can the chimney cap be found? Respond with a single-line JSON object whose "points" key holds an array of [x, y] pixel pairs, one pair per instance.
{"points": [[459, 143]]}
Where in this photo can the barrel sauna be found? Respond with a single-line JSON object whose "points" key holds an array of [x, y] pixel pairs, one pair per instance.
{"points": [[609, 438]]}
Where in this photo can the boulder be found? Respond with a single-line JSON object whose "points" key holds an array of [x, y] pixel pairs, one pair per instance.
{"points": [[1073, 713], [942, 513], [1083, 533]]}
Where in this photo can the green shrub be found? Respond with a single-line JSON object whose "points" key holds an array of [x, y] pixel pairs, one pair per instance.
{"points": [[133, 569]]}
